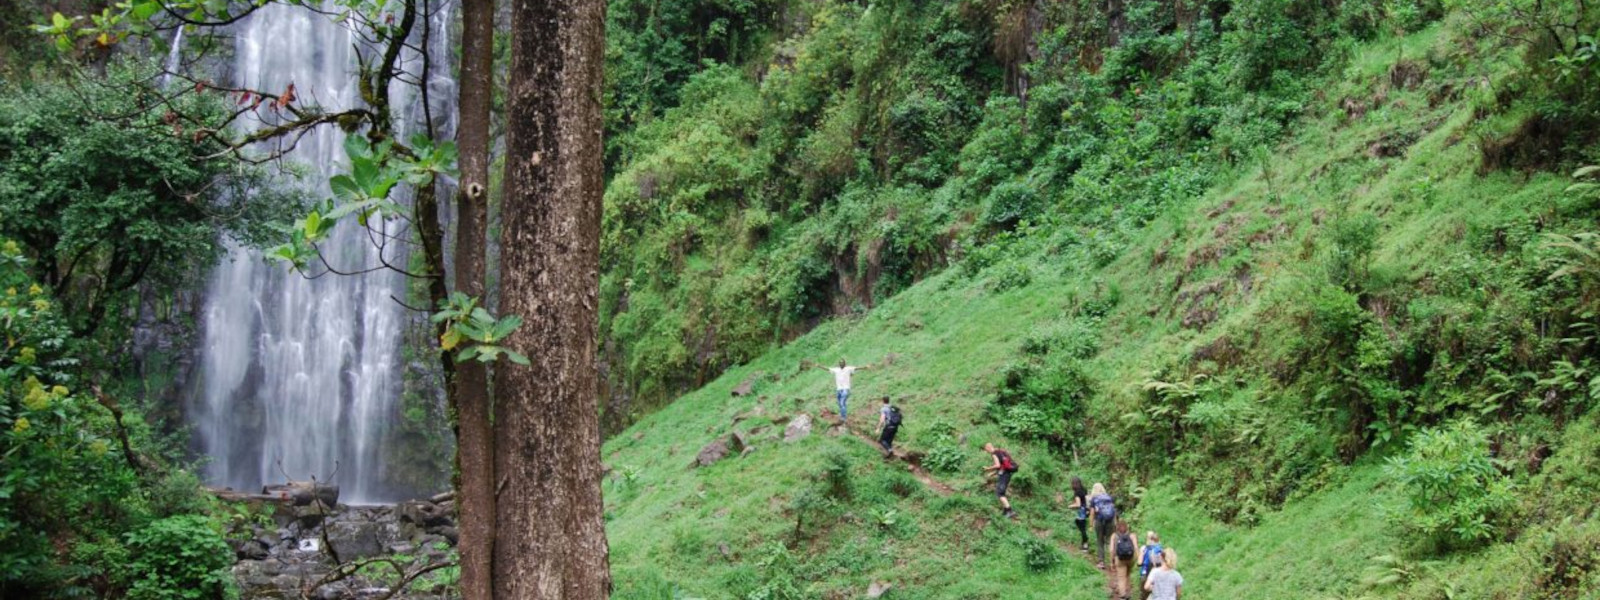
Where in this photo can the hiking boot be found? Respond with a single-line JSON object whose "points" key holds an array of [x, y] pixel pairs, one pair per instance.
{"points": [[1011, 514]]}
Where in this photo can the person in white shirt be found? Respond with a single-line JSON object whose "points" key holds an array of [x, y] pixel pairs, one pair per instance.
{"points": [[841, 385]]}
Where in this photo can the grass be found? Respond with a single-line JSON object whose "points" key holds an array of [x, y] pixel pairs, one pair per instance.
{"points": [[1242, 251]]}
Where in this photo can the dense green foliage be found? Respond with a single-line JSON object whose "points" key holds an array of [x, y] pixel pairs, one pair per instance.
{"points": [[106, 193], [864, 148], [107, 184], [1231, 264]]}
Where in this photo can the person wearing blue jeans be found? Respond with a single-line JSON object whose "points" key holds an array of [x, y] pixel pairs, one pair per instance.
{"points": [[841, 385]]}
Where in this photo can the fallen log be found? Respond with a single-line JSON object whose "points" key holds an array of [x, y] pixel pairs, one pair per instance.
{"points": [[294, 493], [303, 493]]}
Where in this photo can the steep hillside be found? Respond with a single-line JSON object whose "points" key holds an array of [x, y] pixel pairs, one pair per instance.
{"points": [[1369, 338]]}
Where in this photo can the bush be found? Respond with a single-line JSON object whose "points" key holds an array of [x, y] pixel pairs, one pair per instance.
{"points": [[1457, 496], [1039, 555], [945, 455], [836, 478], [180, 558], [1010, 275]]}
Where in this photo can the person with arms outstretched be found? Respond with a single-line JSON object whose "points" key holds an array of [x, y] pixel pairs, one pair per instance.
{"points": [[1004, 466], [841, 385]]}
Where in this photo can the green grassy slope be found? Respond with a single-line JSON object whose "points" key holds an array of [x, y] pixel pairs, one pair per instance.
{"points": [[1256, 302]]}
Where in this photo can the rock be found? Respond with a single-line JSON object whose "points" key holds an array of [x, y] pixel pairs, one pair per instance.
{"points": [[798, 428], [307, 517], [250, 549], [745, 388], [423, 514], [712, 452], [450, 534], [878, 589], [738, 441], [354, 540], [443, 498]]}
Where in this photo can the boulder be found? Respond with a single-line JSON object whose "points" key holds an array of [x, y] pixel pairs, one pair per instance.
{"points": [[739, 442], [797, 429], [712, 452], [878, 589], [744, 388], [354, 540], [249, 549], [423, 514], [450, 534]]}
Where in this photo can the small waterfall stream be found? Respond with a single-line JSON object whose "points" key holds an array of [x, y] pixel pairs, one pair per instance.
{"points": [[308, 371]]}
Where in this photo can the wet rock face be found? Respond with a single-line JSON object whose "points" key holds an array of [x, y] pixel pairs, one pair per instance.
{"points": [[293, 555]]}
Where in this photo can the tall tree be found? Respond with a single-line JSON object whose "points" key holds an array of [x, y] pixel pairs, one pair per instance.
{"points": [[549, 535], [474, 437]]}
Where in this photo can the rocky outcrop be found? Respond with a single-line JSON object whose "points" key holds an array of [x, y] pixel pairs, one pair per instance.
{"points": [[294, 552], [797, 429]]}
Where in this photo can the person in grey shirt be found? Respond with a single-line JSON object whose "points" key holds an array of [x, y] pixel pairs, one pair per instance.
{"points": [[1165, 583]]}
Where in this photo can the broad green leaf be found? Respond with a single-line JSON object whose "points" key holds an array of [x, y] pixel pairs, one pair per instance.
{"points": [[144, 10], [313, 225], [1586, 171], [344, 187], [517, 358]]}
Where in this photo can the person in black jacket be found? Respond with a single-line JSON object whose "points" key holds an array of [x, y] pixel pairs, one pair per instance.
{"points": [[888, 426]]}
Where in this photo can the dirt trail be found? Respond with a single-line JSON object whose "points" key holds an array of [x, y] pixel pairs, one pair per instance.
{"points": [[913, 462]]}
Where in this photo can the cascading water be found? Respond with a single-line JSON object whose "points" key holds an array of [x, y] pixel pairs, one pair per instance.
{"points": [[306, 372]]}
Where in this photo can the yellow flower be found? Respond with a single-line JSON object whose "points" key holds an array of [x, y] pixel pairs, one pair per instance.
{"points": [[98, 447], [60, 391], [21, 425], [31, 383], [34, 290], [37, 399], [41, 305], [11, 291], [27, 356], [12, 248]]}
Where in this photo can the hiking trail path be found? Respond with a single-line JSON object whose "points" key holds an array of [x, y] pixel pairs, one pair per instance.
{"points": [[913, 462]]}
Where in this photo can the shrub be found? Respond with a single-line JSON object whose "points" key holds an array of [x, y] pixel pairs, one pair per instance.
{"points": [[1455, 491], [1039, 555], [1010, 203], [180, 558], [945, 455], [1011, 275], [836, 480]]}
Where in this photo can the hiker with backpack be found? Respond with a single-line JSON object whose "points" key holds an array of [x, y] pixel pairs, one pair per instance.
{"points": [[1149, 556], [1005, 466], [1124, 548], [1104, 510], [1165, 583], [888, 426], [841, 384], [1080, 511]]}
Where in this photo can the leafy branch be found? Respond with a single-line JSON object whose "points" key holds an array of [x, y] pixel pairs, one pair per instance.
{"points": [[473, 333]]}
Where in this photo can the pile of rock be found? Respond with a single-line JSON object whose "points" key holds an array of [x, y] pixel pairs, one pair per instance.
{"points": [[297, 549]]}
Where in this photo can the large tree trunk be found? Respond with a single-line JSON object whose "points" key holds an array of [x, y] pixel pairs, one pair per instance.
{"points": [[474, 437], [550, 539]]}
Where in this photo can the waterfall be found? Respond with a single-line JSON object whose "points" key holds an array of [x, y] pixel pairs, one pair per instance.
{"points": [[307, 372]]}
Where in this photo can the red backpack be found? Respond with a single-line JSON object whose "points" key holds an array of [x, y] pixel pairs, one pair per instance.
{"points": [[1006, 464]]}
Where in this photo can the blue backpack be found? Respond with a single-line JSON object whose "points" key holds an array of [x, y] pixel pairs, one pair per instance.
{"points": [[1146, 561], [1104, 507]]}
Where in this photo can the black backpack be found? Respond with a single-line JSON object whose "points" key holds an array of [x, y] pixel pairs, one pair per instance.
{"points": [[894, 416], [1125, 547]]}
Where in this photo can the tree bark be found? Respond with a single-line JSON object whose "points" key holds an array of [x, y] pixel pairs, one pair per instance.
{"points": [[550, 537], [474, 436]]}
